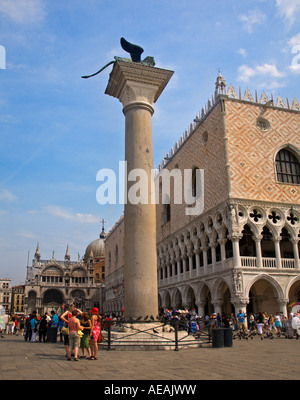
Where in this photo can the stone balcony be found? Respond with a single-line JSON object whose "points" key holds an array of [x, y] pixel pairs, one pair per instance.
{"points": [[246, 263]]}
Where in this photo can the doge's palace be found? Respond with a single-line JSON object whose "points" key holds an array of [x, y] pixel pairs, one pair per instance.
{"points": [[242, 251]]}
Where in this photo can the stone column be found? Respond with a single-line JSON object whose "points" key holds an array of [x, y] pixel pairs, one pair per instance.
{"points": [[138, 86], [282, 305], [217, 306], [197, 253], [276, 241], [173, 261], [213, 247], [204, 251], [240, 304], [296, 252], [235, 238], [222, 243], [257, 240], [201, 308], [191, 264]]}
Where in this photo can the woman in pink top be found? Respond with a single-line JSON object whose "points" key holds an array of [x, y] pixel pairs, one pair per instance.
{"points": [[95, 332]]}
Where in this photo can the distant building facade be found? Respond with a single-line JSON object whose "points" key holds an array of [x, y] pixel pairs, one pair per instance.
{"points": [[242, 252], [18, 299], [53, 284], [5, 294]]}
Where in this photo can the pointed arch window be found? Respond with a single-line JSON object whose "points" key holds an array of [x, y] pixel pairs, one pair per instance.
{"points": [[166, 210], [287, 167], [116, 253]]}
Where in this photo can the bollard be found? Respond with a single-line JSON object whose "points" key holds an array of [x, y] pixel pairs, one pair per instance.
{"points": [[176, 334], [108, 336], [228, 342], [51, 335], [218, 337]]}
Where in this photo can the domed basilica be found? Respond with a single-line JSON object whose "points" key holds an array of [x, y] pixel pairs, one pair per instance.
{"points": [[53, 284]]}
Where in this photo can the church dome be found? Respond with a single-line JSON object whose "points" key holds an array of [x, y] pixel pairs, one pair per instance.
{"points": [[96, 249]]}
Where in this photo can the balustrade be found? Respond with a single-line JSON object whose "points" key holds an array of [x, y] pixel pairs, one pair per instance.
{"points": [[246, 262]]}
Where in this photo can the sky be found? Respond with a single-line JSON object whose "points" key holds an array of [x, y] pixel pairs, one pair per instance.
{"points": [[58, 130]]}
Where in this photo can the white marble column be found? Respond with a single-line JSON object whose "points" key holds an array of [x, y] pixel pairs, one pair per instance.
{"points": [[296, 253], [257, 240]]}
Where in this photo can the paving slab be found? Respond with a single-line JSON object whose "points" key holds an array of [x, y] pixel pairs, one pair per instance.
{"points": [[277, 359]]}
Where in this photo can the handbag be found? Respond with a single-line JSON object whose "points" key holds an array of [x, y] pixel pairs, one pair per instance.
{"points": [[65, 330], [100, 338]]}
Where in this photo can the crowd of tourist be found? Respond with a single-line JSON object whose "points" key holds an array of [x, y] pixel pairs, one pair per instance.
{"points": [[76, 329], [262, 323], [82, 330]]}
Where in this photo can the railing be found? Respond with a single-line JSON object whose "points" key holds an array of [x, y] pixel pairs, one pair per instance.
{"points": [[267, 262], [249, 262], [165, 334], [288, 263]]}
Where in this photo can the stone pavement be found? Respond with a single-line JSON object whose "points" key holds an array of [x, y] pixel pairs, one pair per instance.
{"points": [[246, 360]]}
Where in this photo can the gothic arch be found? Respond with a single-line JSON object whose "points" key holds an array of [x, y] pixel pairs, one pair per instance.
{"points": [[79, 267], [218, 288], [176, 298], [274, 230], [293, 232], [78, 293], [274, 284], [53, 295], [31, 300], [256, 229], [289, 286], [288, 146], [52, 265], [203, 288]]}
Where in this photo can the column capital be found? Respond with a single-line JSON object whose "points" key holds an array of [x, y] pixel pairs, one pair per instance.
{"points": [[257, 238], [235, 236], [204, 248], [276, 238], [222, 242], [239, 302], [133, 82]]}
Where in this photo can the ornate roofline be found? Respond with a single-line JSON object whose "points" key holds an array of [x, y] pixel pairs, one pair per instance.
{"points": [[228, 94]]}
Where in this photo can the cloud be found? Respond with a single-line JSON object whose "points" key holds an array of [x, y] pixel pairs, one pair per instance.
{"points": [[254, 17], [288, 10], [272, 86], [7, 196], [242, 52], [23, 11], [295, 40], [60, 212], [27, 234], [246, 72]]}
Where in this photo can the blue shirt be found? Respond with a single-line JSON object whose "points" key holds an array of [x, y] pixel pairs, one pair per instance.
{"points": [[54, 321], [241, 317], [33, 323]]}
